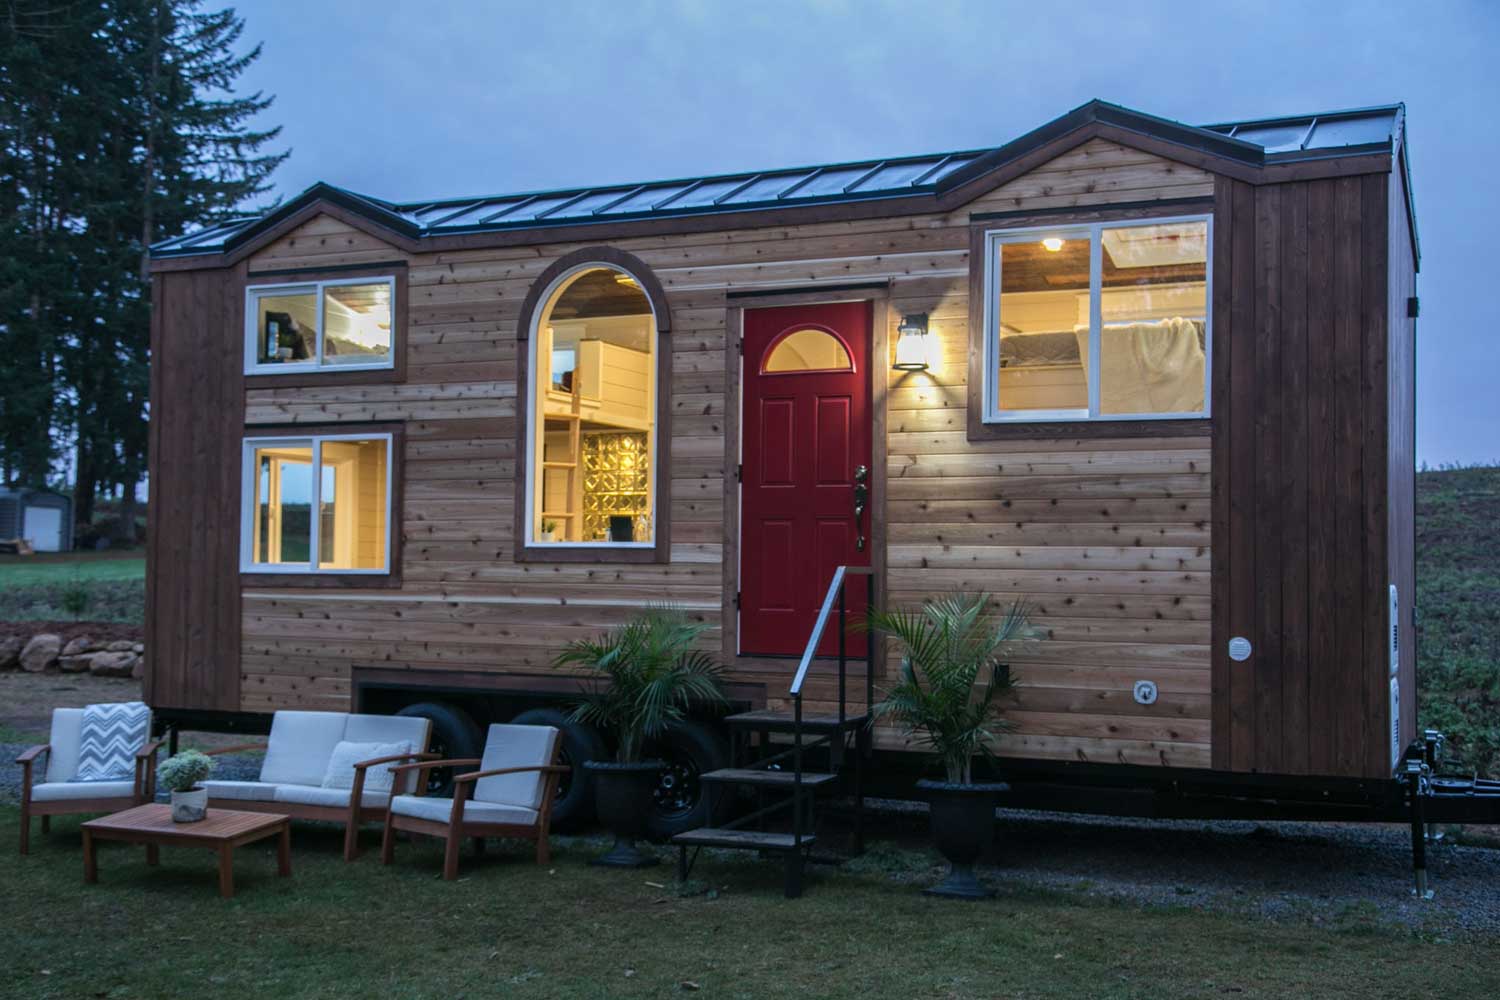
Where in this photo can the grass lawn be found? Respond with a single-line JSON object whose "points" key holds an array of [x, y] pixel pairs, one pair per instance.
{"points": [[65, 567], [34, 588], [511, 928]]}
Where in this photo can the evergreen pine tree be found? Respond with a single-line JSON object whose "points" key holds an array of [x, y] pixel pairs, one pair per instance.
{"points": [[121, 127]]}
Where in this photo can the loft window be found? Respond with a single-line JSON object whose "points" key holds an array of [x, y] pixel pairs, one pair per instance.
{"points": [[1108, 321], [317, 504], [320, 326], [592, 428]]}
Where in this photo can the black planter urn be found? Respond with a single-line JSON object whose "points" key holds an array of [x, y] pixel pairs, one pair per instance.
{"points": [[623, 800], [963, 825]]}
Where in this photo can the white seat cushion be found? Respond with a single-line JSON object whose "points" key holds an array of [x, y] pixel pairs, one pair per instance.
{"points": [[300, 745], [61, 791], [244, 791], [62, 759], [515, 746], [333, 798], [440, 810], [340, 773]]}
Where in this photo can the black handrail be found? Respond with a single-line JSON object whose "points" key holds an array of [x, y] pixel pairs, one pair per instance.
{"points": [[836, 593]]}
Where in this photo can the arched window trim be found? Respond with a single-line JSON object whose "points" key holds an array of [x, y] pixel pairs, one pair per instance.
{"points": [[532, 308], [799, 328]]}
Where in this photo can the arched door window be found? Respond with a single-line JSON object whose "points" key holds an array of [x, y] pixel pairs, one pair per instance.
{"points": [[809, 349]]}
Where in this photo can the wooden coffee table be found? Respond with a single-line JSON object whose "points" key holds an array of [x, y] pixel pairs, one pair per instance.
{"points": [[222, 830]]}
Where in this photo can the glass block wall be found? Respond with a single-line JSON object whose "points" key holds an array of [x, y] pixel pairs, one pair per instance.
{"points": [[616, 483]]}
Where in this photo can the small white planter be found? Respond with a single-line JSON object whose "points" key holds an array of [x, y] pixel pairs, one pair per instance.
{"points": [[189, 807], [545, 536]]}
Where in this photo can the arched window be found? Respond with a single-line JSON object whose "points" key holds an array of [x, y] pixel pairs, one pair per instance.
{"points": [[807, 350], [592, 448]]}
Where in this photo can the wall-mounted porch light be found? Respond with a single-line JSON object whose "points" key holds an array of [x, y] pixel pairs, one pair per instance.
{"points": [[911, 344]]}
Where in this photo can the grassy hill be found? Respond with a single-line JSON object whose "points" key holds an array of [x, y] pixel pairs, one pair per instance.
{"points": [[1458, 612]]}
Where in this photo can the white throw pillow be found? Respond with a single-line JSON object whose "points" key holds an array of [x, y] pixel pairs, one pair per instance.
{"points": [[340, 772]]}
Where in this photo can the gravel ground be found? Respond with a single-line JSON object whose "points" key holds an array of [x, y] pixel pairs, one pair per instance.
{"points": [[1318, 873], [1321, 873]]}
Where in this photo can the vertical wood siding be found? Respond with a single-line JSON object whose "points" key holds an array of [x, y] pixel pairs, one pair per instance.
{"points": [[197, 407], [1403, 446], [1301, 530]]}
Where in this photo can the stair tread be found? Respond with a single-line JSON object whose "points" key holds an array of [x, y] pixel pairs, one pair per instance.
{"points": [[777, 779], [710, 836], [769, 718]]}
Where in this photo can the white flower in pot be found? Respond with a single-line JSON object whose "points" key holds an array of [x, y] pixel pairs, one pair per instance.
{"points": [[180, 775]]}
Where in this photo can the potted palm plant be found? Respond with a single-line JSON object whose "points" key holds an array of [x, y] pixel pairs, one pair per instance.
{"points": [[649, 674], [953, 679], [180, 775]]}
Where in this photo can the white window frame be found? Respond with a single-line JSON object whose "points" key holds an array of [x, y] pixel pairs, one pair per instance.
{"points": [[248, 498], [533, 371], [253, 293], [1093, 231]]}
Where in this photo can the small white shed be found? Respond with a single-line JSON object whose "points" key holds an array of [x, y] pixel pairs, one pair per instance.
{"points": [[41, 517]]}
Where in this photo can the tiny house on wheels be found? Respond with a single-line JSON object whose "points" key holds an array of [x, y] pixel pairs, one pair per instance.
{"points": [[1156, 378]]}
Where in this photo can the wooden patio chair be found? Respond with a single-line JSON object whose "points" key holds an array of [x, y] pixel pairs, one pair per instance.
{"points": [[62, 792], [509, 796]]}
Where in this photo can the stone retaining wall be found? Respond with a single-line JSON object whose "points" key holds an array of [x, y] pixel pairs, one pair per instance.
{"points": [[46, 651]]}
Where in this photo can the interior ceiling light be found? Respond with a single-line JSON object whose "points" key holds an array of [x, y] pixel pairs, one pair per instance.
{"points": [[1053, 243]]}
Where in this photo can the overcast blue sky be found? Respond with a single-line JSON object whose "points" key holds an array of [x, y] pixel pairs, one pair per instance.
{"points": [[443, 98]]}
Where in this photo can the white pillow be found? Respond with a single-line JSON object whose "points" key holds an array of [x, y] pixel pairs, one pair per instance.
{"points": [[340, 772]]}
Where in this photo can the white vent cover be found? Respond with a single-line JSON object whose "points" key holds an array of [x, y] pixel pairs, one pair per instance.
{"points": [[1145, 692], [1395, 630], [1395, 722]]}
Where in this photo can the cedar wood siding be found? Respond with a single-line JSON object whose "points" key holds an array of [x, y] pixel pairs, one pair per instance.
{"points": [[1110, 537]]}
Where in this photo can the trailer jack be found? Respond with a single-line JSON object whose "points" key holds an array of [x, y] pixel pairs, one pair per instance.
{"points": [[1417, 774]]}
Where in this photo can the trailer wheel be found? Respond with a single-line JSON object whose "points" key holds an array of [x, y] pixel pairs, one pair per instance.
{"points": [[573, 803], [454, 734], [682, 801]]}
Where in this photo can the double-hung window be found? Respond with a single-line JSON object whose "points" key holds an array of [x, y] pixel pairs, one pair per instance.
{"points": [[1104, 321], [318, 326], [317, 504]]}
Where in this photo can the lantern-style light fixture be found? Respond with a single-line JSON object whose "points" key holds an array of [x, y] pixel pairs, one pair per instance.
{"points": [[911, 344]]}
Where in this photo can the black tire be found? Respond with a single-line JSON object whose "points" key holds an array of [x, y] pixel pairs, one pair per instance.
{"points": [[454, 734], [682, 802], [573, 805]]}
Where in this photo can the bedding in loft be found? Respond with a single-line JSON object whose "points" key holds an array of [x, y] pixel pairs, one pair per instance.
{"points": [[1150, 367]]}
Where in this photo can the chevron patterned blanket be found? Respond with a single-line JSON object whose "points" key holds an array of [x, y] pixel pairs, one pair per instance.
{"points": [[108, 739]]}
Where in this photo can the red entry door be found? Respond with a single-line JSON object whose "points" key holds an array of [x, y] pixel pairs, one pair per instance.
{"points": [[806, 428]]}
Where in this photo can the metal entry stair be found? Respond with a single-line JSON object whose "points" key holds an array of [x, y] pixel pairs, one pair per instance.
{"points": [[786, 790]]}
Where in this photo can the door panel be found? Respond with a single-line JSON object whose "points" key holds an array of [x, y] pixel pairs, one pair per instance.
{"points": [[807, 430]]}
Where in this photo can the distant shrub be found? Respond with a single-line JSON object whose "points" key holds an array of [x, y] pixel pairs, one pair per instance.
{"points": [[76, 598]]}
